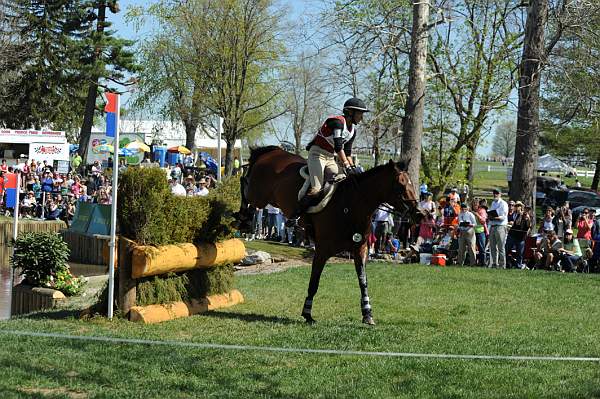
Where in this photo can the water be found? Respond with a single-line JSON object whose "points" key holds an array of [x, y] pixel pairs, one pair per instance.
{"points": [[4, 293]]}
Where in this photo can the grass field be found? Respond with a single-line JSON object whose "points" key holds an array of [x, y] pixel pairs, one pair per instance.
{"points": [[419, 309]]}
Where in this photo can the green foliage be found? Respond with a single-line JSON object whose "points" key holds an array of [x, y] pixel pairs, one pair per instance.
{"points": [[149, 214], [193, 284], [42, 259]]}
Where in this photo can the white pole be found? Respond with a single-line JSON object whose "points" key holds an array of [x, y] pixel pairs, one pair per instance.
{"points": [[113, 218], [15, 235], [220, 132]]}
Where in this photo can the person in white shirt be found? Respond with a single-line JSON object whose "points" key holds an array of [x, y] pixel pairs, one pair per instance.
{"points": [[273, 225], [202, 190], [427, 204], [176, 188], [466, 238], [498, 229], [383, 224]]}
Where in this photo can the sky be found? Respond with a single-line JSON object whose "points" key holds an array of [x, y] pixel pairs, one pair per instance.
{"points": [[297, 9]]}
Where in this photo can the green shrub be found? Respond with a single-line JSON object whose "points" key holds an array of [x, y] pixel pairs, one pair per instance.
{"points": [[42, 259], [149, 214], [174, 287]]}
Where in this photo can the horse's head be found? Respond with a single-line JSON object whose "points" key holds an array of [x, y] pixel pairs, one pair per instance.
{"points": [[403, 196]]}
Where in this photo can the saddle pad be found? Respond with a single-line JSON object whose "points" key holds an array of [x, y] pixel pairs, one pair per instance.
{"points": [[323, 203]]}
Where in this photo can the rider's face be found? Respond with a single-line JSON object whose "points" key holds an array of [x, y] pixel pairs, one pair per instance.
{"points": [[357, 117]]}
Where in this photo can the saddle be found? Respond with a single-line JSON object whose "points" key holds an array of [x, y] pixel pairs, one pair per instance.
{"points": [[322, 199]]}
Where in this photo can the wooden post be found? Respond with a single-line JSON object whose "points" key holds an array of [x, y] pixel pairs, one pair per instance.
{"points": [[126, 290]]}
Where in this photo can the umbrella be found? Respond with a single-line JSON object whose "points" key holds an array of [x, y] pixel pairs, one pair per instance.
{"points": [[180, 149], [105, 148], [138, 146], [126, 152]]}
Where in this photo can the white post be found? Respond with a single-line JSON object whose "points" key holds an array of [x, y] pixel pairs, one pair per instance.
{"points": [[113, 219], [15, 235], [220, 132]]}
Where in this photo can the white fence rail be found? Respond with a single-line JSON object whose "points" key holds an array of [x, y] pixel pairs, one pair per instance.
{"points": [[506, 169]]}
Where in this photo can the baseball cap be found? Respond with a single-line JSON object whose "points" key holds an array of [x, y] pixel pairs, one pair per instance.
{"points": [[496, 191], [568, 231]]}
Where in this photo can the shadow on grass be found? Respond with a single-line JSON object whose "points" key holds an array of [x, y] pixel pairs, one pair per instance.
{"points": [[253, 317], [53, 314]]}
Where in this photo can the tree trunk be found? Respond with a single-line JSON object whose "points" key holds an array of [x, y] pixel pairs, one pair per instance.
{"points": [[596, 178], [470, 160], [297, 141], [528, 123], [376, 152], [190, 133], [90, 102], [415, 104], [229, 156]]}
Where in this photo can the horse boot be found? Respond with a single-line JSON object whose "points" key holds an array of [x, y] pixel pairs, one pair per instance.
{"points": [[303, 205]]}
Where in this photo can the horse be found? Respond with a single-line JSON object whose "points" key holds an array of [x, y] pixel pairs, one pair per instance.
{"points": [[273, 177]]}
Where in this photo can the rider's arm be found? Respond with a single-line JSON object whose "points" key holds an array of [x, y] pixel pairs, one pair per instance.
{"points": [[338, 142], [348, 150]]}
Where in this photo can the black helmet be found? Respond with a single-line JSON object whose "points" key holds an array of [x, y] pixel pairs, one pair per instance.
{"points": [[356, 103]]}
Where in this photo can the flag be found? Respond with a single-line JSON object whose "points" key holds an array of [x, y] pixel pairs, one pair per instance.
{"points": [[10, 185], [112, 113]]}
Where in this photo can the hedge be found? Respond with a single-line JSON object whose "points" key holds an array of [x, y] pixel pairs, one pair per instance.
{"points": [[149, 214]]}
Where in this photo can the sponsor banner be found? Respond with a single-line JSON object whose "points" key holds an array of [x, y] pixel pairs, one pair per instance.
{"points": [[31, 136], [49, 152]]}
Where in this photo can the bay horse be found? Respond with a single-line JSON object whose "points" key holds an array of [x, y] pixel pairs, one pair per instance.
{"points": [[272, 177]]}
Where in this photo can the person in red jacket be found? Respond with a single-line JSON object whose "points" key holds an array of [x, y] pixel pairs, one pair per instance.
{"points": [[335, 137]]}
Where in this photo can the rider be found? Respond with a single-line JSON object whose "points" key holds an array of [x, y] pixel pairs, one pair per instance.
{"points": [[334, 137]]}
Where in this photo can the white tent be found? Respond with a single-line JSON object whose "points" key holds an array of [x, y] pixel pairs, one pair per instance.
{"points": [[550, 164]]}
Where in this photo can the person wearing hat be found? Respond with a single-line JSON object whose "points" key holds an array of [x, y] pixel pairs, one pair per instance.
{"points": [[454, 195], [335, 137], [466, 238], [516, 236], [570, 254], [201, 191], [498, 217]]}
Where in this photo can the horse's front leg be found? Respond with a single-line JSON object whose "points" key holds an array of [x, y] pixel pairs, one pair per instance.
{"points": [[360, 263], [318, 264]]}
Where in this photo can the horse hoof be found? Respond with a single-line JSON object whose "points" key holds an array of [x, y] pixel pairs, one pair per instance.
{"points": [[308, 318], [368, 320]]}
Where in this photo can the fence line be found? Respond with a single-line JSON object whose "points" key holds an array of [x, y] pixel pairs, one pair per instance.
{"points": [[505, 169]]}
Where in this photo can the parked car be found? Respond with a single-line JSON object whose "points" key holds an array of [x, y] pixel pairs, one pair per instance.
{"points": [[576, 198]]}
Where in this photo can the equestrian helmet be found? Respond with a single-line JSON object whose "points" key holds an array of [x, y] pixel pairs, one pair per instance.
{"points": [[356, 103]]}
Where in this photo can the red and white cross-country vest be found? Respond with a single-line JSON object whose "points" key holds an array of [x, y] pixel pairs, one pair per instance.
{"points": [[324, 137]]}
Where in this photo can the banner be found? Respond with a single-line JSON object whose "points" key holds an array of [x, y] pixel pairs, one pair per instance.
{"points": [[112, 113], [49, 152], [31, 136], [91, 219], [10, 186]]}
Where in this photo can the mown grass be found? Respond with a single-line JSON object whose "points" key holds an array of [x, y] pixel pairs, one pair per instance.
{"points": [[279, 250], [418, 309]]}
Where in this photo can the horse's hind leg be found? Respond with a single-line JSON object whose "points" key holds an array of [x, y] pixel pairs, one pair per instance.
{"points": [[360, 262], [318, 264]]}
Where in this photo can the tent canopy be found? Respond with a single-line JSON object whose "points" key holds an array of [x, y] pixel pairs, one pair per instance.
{"points": [[550, 164]]}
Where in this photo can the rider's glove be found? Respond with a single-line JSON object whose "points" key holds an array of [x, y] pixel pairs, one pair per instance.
{"points": [[350, 170]]}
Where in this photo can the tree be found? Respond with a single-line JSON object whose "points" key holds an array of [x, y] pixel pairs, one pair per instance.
{"points": [[107, 60], [504, 139], [304, 97], [226, 57], [412, 126], [473, 57], [46, 84]]}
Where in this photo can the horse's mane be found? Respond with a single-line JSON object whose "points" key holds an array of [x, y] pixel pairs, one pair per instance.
{"points": [[257, 152], [401, 164]]}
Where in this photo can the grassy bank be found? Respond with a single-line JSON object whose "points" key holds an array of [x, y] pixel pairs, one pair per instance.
{"points": [[418, 309]]}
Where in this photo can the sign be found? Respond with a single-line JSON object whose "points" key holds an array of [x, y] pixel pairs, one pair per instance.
{"points": [[82, 217], [91, 219], [31, 136], [10, 186], [49, 152], [61, 167]]}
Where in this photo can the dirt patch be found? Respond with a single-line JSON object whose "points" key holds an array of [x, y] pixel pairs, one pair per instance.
{"points": [[55, 391], [267, 268]]}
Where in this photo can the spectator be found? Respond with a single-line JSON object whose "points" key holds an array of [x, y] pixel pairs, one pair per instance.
{"points": [[451, 211], [273, 226], [176, 172], [584, 225], [511, 210], [454, 195], [257, 225], [570, 254], [426, 230], [427, 204], [103, 197], [392, 245], [4, 166], [28, 204], [236, 165], [76, 162], [464, 195], [497, 216], [567, 215], [382, 219], [37, 189], [481, 229], [577, 183], [202, 190], [176, 188], [466, 238], [548, 221], [517, 233], [560, 224]]}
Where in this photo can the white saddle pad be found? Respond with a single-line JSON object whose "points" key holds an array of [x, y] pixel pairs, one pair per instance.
{"points": [[323, 203]]}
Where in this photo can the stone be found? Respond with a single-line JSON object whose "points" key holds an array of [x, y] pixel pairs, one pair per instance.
{"points": [[256, 257]]}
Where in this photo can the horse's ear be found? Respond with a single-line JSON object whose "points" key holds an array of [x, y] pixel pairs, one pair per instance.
{"points": [[402, 164]]}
